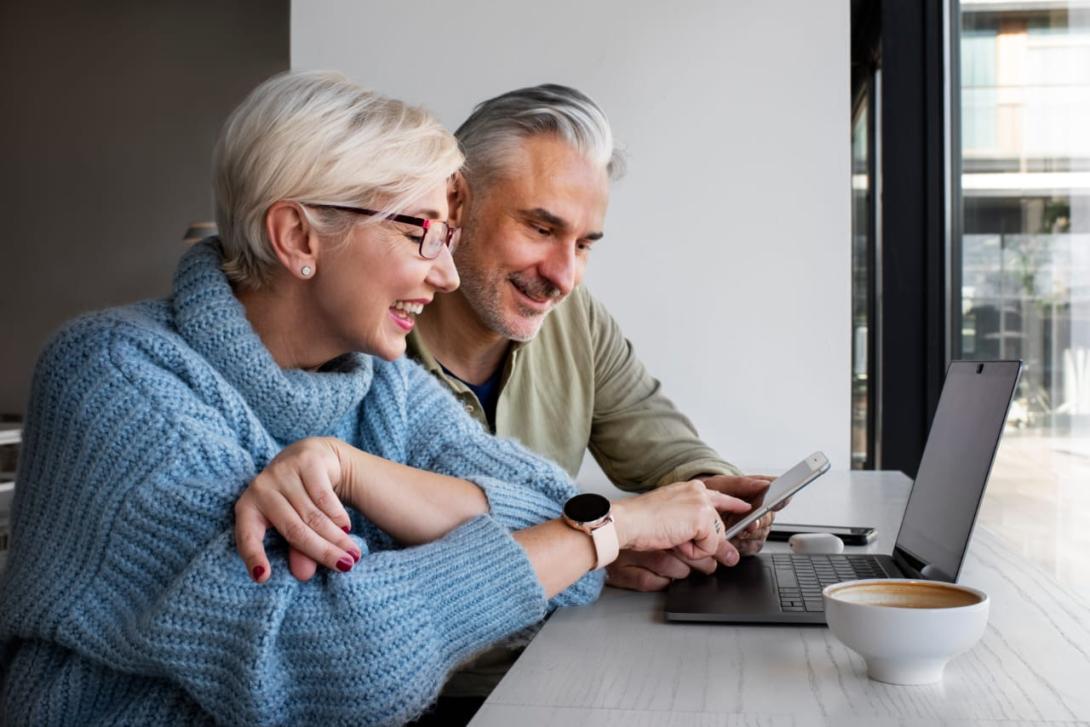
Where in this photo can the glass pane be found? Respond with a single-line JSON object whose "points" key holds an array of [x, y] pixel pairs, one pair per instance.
{"points": [[1025, 261], [860, 277]]}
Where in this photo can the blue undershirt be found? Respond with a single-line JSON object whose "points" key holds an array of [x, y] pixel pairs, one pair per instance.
{"points": [[488, 393]]}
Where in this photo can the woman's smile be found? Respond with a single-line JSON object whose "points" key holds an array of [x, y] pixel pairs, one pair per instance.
{"points": [[404, 312]]}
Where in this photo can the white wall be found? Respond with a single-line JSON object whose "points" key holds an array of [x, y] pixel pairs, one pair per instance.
{"points": [[727, 254]]}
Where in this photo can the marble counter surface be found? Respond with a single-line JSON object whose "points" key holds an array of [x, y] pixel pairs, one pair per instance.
{"points": [[618, 663]]}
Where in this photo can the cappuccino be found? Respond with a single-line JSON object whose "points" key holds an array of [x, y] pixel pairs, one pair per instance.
{"points": [[910, 594]]}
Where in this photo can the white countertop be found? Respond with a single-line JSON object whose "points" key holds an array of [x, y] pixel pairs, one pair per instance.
{"points": [[618, 663]]}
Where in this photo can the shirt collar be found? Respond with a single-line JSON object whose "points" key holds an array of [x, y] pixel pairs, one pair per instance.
{"points": [[417, 350]]}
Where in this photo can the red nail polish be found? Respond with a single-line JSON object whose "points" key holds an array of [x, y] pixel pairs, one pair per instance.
{"points": [[344, 565], [355, 555], [257, 572], [347, 528]]}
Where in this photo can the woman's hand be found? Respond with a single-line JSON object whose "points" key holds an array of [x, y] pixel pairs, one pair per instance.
{"points": [[298, 494], [683, 516]]}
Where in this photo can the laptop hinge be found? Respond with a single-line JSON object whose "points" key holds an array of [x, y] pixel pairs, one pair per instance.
{"points": [[909, 564]]}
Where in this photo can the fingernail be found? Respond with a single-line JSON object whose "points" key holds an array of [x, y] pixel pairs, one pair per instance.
{"points": [[257, 572], [732, 558], [347, 528], [356, 555], [344, 565]]}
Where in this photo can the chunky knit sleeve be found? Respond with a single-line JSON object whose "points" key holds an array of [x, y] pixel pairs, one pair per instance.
{"points": [[123, 557], [523, 489]]}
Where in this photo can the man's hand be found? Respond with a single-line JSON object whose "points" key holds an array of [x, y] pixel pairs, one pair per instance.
{"points": [[752, 539], [752, 489], [652, 570]]}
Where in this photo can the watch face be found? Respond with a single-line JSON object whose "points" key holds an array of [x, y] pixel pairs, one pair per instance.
{"points": [[586, 508]]}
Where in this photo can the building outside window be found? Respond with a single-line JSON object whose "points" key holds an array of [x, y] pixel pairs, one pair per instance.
{"points": [[1022, 263], [862, 442]]}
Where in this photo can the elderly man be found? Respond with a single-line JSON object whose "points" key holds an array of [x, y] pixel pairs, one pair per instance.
{"points": [[525, 347], [531, 354]]}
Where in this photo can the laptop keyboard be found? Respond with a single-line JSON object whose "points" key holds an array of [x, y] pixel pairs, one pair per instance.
{"points": [[801, 578]]}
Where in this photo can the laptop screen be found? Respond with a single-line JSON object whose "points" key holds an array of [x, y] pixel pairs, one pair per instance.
{"points": [[955, 465]]}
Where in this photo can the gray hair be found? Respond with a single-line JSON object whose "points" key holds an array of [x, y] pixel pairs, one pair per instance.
{"points": [[497, 125], [318, 137]]}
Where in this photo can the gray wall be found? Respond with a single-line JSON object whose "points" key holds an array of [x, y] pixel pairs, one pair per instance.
{"points": [[727, 256], [109, 116]]}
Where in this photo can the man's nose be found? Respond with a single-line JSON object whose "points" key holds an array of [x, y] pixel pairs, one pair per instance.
{"points": [[443, 276], [561, 268]]}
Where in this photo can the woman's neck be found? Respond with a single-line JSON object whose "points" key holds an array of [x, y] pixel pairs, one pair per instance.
{"points": [[281, 317]]}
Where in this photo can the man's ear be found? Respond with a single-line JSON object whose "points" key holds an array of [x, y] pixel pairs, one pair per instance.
{"points": [[457, 199], [292, 238]]}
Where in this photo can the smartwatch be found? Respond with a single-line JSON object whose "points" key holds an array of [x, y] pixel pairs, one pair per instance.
{"points": [[591, 514]]}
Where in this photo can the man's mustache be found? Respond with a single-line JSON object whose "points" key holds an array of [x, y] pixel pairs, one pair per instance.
{"points": [[538, 288]]}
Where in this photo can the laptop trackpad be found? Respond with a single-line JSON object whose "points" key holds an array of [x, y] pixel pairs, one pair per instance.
{"points": [[730, 594]]}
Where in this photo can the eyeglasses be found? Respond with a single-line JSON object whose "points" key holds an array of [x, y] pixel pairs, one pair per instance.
{"points": [[436, 233]]}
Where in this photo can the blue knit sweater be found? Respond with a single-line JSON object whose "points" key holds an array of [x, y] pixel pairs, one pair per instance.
{"points": [[125, 602]]}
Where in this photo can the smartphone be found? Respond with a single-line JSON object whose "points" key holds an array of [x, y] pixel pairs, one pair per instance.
{"points": [[850, 535], [784, 487]]}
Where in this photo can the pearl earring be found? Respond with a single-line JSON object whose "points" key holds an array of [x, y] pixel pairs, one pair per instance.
{"points": [[306, 271]]}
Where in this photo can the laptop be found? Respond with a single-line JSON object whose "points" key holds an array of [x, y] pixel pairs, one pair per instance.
{"points": [[934, 534]]}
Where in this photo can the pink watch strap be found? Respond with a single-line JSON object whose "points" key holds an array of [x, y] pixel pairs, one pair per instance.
{"points": [[605, 543]]}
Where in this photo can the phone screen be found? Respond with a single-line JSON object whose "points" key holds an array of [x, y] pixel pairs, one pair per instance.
{"points": [[784, 487]]}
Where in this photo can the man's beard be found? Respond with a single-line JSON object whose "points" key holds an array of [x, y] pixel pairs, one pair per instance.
{"points": [[484, 292]]}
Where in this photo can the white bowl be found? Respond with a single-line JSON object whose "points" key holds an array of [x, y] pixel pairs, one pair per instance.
{"points": [[906, 630]]}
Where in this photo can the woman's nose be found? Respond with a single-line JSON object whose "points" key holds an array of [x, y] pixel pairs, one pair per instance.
{"points": [[443, 276]]}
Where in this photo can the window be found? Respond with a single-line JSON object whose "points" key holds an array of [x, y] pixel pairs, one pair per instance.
{"points": [[862, 233], [1022, 261]]}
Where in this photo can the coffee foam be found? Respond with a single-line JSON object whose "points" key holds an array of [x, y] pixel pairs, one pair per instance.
{"points": [[906, 595]]}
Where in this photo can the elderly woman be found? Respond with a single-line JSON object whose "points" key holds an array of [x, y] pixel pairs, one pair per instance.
{"points": [[276, 361]]}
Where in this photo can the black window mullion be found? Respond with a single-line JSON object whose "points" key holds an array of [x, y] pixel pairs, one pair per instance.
{"points": [[913, 228]]}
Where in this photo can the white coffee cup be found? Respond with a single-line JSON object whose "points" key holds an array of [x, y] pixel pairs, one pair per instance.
{"points": [[906, 630]]}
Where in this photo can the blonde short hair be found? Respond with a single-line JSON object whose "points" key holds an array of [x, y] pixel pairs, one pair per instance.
{"points": [[318, 137]]}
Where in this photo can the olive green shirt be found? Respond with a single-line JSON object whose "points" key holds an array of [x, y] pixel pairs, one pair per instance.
{"points": [[578, 385]]}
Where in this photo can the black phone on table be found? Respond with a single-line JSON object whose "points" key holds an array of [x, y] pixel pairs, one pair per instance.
{"points": [[851, 535]]}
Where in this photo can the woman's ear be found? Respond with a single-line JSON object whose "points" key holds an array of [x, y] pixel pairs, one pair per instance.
{"points": [[457, 199], [292, 238]]}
